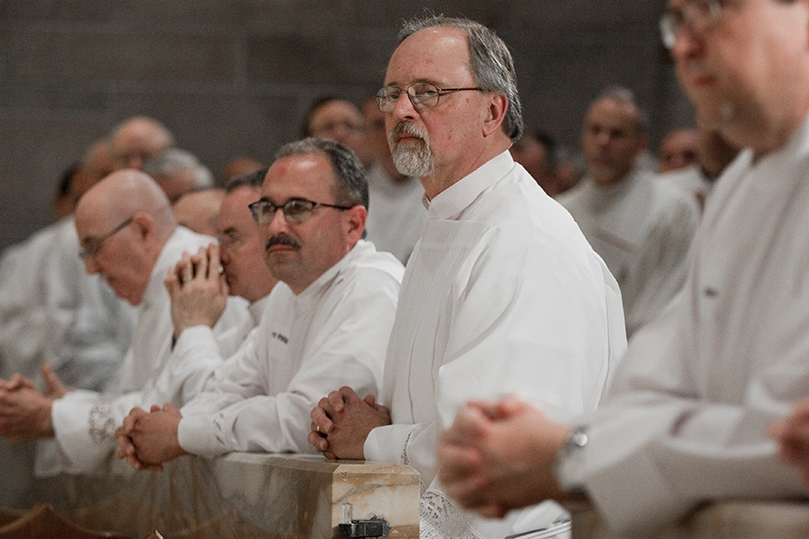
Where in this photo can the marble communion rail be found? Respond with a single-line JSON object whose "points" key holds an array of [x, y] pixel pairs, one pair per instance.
{"points": [[243, 495]]}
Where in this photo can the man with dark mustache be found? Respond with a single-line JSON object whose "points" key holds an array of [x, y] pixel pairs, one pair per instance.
{"points": [[327, 321], [502, 294]]}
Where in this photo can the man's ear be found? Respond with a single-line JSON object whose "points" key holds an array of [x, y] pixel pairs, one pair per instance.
{"points": [[145, 226], [495, 113], [355, 223]]}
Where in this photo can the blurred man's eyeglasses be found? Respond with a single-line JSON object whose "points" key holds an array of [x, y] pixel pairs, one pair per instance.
{"points": [[421, 94], [697, 16], [90, 249], [296, 210]]}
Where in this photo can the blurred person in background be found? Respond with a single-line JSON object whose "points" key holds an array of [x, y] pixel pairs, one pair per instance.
{"points": [[199, 210], [239, 166], [336, 118], [539, 154], [178, 172], [642, 228], [136, 139], [55, 316], [678, 149], [713, 155]]}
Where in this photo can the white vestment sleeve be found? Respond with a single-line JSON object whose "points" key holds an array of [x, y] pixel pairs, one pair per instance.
{"points": [[51, 459], [85, 423], [241, 416], [196, 353], [402, 444], [686, 417], [236, 379], [656, 449]]}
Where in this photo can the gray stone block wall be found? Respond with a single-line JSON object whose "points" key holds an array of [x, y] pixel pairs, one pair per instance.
{"points": [[235, 77]]}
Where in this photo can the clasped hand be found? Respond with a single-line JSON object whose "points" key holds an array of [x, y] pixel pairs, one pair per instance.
{"points": [[148, 439], [342, 421], [197, 289], [792, 435], [499, 456], [25, 412]]}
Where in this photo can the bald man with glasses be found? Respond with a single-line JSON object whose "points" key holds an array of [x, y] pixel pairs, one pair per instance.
{"points": [[327, 321], [129, 237], [686, 418]]}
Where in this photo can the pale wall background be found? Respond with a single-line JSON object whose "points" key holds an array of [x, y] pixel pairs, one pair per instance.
{"points": [[233, 77]]}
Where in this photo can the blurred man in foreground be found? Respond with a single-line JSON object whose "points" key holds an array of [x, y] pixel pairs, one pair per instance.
{"points": [[685, 420]]}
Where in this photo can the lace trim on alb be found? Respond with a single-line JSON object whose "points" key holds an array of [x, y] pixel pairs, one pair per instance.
{"points": [[404, 459], [102, 424], [440, 518]]}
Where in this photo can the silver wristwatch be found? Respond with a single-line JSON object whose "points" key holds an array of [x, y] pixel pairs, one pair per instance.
{"points": [[568, 460]]}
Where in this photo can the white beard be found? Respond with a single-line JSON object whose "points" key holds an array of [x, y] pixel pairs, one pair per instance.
{"points": [[412, 158]]}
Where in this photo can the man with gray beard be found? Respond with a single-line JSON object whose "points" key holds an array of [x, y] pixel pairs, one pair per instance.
{"points": [[501, 295]]}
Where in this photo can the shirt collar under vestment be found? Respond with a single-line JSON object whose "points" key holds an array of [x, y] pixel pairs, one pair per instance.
{"points": [[457, 197]]}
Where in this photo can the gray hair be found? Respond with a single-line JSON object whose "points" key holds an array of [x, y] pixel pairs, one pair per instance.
{"points": [[624, 95], [252, 179], [490, 61], [351, 184], [172, 160]]}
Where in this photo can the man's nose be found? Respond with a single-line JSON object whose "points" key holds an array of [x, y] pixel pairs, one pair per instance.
{"points": [[403, 108], [90, 265], [278, 223], [603, 138]]}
